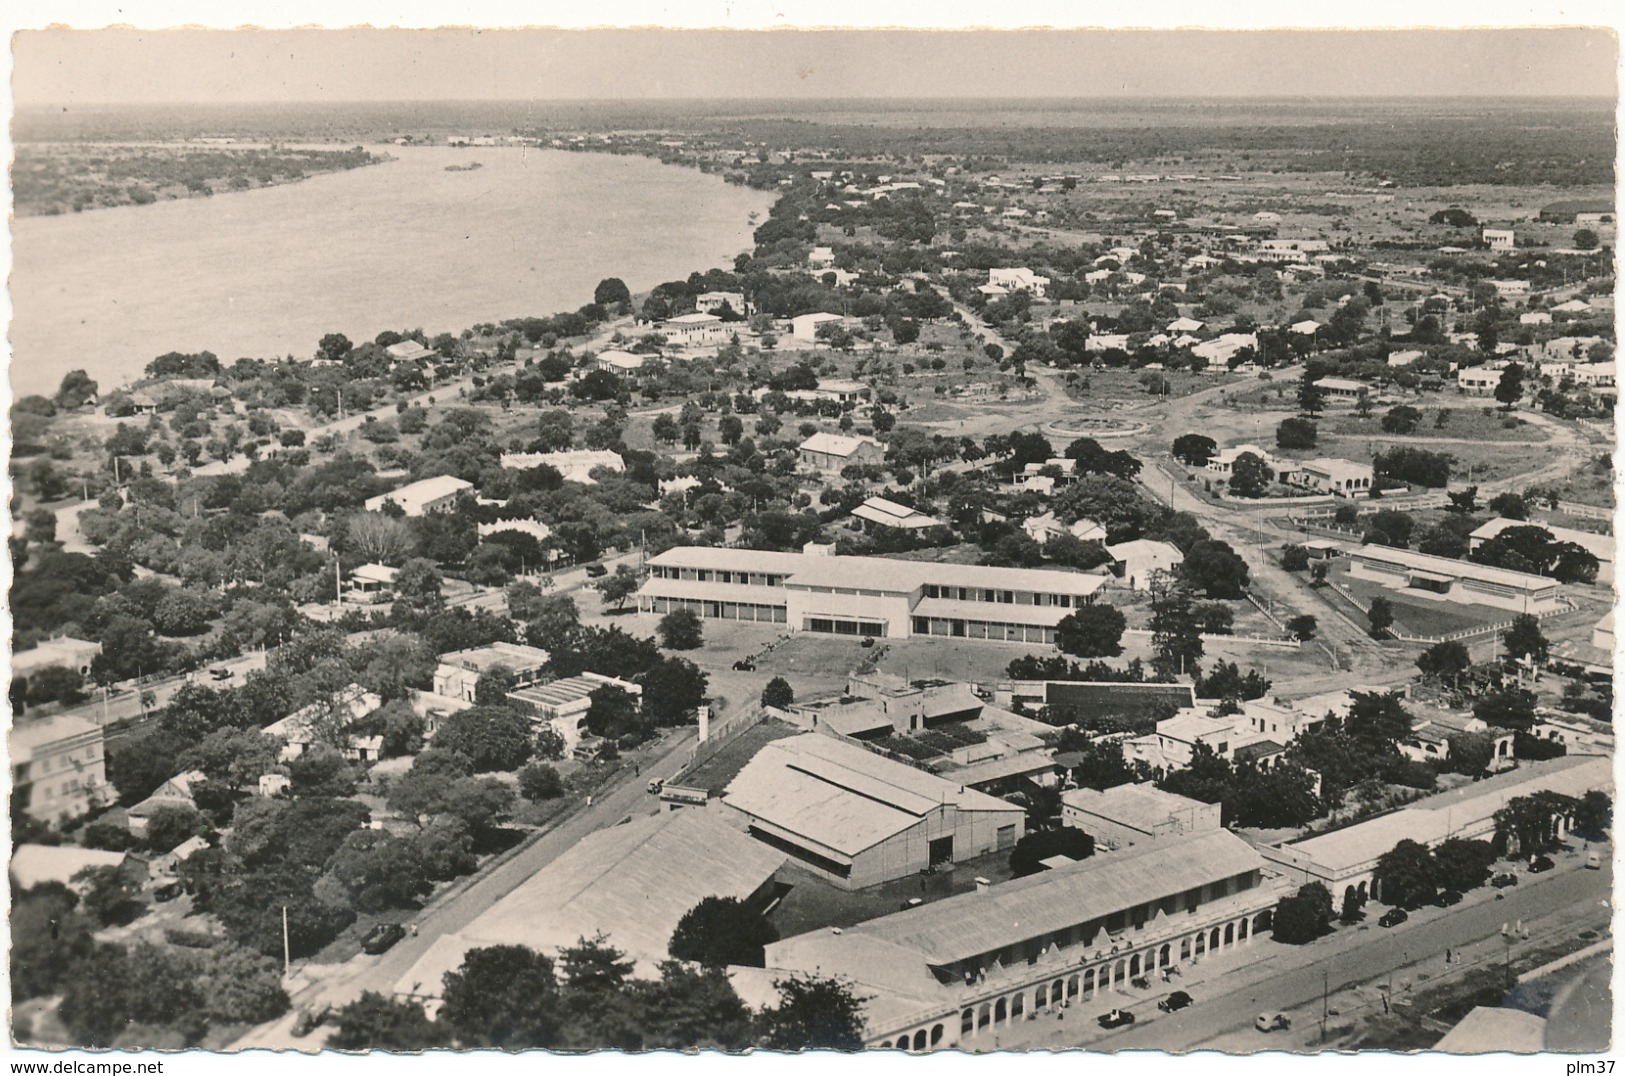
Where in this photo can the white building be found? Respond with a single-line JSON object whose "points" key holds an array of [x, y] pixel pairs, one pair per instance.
{"points": [[620, 362], [1500, 239], [857, 818], [1135, 562], [458, 672], [436, 494], [1019, 279], [563, 704], [1341, 478], [821, 257], [804, 327], [873, 596], [712, 302], [832, 452], [306, 727], [576, 465], [1127, 815], [63, 652], [889, 515], [58, 768], [1454, 580], [1478, 380], [695, 330]]}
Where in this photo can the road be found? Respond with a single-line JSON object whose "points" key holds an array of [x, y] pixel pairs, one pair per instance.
{"points": [[1291, 979], [124, 702], [466, 900]]}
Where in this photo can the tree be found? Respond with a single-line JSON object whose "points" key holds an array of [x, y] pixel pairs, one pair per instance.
{"points": [[1194, 449], [1380, 616], [1029, 853], [690, 1008], [1585, 239], [619, 586], [1216, 569], [1462, 864], [1378, 720], [614, 713], [813, 1013], [55, 683], [108, 894], [1594, 817], [1304, 916], [1294, 558], [778, 693], [1509, 390], [172, 824], [1176, 638], [1463, 502], [611, 291], [1524, 639], [1445, 661], [379, 870], [539, 781], [1249, 476], [681, 629], [1401, 420], [1406, 876], [76, 390], [1390, 528], [1353, 905], [1311, 397], [1527, 825], [1296, 433], [502, 996], [493, 738], [417, 587], [722, 931], [375, 1021], [48, 939], [1508, 707], [1095, 631], [553, 623], [1302, 627]]}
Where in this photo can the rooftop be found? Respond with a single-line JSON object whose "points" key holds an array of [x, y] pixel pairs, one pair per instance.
{"points": [[1142, 806], [836, 444], [35, 864], [515, 656], [843, 797], [1600, 546], [1453, 569]]}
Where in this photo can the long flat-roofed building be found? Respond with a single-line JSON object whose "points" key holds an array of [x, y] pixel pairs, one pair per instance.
{"points": [[858, 818], [1344, 859], [955, 972], [459, 672], [1128, 815], [1454, 580], [1600, 546], [875, 596]]}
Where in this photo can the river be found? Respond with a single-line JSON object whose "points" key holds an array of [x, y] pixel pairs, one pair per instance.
{"points": [[400, 245]]}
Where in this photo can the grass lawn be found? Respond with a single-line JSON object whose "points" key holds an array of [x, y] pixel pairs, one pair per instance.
{"points": [[1466, 423], [1421, 617], [717, 771]]}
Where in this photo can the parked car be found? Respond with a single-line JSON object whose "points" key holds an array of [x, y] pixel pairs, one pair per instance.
{"points": [[1272, 1021], [221, 673], [165, 893], [1448, 898], [381, 937], [744, 665], [1541, 864], [1175, 1001], [1501, 881], [655, 786], [1593, 861], [868, 640], [597, 571], [1117, 1018], [912, 902], [1393, 917]]}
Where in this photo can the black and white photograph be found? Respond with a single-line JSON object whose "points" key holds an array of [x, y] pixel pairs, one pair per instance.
{"points": [[754, 537]]}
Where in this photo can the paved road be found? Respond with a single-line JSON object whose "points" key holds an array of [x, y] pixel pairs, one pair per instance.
{"points": [[1581, 1015], [1291, 979], [124, 703], [461, 904]]}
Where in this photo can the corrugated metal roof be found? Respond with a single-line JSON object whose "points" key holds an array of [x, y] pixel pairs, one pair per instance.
{"points": [[1453, 569], [975, 923]]}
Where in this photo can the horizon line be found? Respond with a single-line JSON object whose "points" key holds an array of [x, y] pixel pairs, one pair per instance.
{"points": [[982, 98]]}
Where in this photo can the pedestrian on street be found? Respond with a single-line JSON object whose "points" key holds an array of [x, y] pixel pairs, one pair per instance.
{"points": [[1447, 956], [589, 801]]}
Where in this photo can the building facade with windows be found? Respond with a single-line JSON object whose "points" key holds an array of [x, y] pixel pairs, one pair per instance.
{"points": [[956, 972], [1454, 580], [58, 768], [873, 596]]}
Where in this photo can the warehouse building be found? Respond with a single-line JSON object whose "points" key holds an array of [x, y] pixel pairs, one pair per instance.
{"points": [[1600, 546], [857, 818], [1128, 815]]}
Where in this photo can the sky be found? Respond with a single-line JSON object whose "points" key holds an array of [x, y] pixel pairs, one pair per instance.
{"points": [[59, 66]]}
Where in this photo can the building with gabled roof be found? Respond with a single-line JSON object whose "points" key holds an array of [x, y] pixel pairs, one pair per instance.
{"points": [[435, 494], [880, 512], [857, 818], [1137, 561], [956, 972], [832, 452]]}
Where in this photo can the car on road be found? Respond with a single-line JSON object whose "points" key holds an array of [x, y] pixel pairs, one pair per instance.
{"points": [[1393, 917], [912, 902], [655, 786], [1501, 881], [1117, 1018], [597, 571], [381, 937], [1541, 864], [220, 673], [1448, 898], [744, 665], [1175, 1001], [166, 893], [1272, 1021], [1593, 861]]}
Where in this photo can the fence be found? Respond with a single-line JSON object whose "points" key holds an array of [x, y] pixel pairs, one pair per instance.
{"points": [[720, 735], [1259, 640]]}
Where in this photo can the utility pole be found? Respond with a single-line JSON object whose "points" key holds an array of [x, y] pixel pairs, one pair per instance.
{"points": [[1325, 990], [286, 961]]}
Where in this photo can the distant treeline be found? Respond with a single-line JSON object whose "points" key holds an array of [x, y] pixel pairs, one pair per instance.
{"points": [[61, 179]]}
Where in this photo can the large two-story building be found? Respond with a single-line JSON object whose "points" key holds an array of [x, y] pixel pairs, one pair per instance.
{"points": [[873, 596], [955, 972]]}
